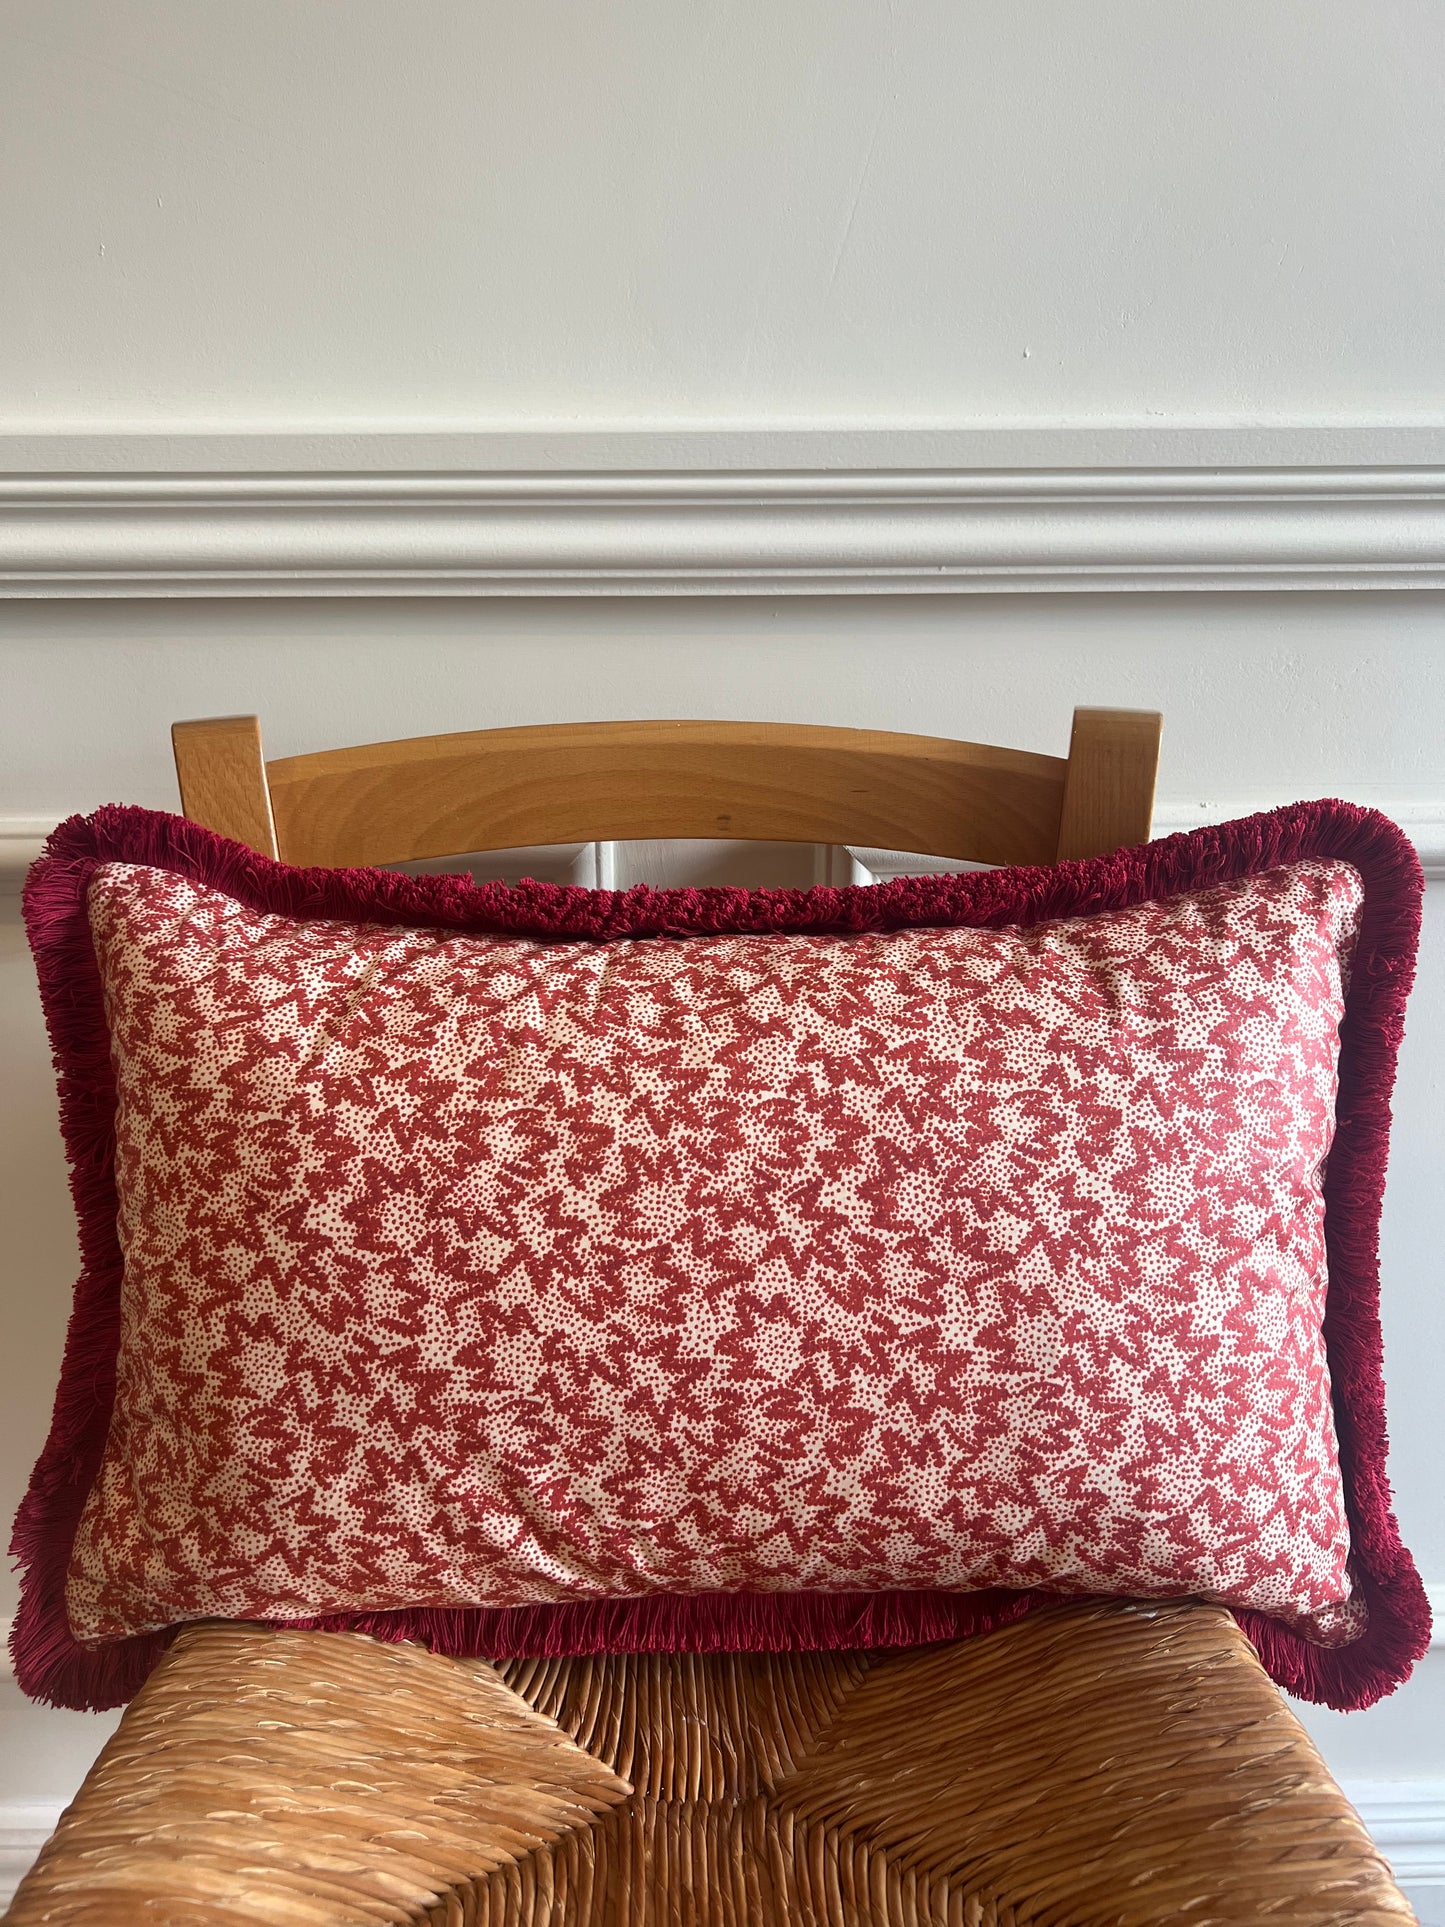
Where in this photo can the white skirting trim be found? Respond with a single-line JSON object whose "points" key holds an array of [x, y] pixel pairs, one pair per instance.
{"points": [[829, 530], [1406, 1821], [25, 1826], [591, 864], [21, 840], [1422, 821]]}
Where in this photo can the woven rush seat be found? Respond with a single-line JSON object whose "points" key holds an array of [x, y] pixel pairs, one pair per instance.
{"points": [[1088, 1765]]}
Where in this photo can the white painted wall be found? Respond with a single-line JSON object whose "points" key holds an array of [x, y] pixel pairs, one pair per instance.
{"points": [[222, 211], [339, 216]]}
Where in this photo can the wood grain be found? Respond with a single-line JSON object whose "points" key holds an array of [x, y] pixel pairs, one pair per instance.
{"points": [[435, 796], [222, 779], [569, 783], [1109, 788]]}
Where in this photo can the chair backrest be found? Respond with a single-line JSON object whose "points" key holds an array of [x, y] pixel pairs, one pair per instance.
{"points": [[494, 789]]}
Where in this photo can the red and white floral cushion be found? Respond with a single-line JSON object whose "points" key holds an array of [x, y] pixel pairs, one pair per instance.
{"points": [[482, 1271], [486, 1273]]}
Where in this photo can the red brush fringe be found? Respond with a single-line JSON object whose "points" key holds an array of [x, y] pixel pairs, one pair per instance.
{"points": [[51, 1665]]}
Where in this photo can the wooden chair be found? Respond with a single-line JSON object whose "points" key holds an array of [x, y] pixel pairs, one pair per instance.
{"points": [[1091, 1764]]}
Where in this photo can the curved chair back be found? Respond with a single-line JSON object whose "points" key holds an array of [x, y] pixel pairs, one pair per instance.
{"points": [[493, 789]]}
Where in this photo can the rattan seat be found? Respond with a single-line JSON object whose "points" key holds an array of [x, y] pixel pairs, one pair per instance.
{"points": [[1088, 1765]]}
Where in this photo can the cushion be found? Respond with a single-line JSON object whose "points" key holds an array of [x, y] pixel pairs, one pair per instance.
{"points": [[542, 1270]]}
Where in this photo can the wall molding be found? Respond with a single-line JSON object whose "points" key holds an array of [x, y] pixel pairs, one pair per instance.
{"points": [[1422, 820], [563, 449], [21, 841], [700, 530], [1406, 1821], [25, 1826]]}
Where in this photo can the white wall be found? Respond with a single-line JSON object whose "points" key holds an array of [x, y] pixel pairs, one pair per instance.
{"points": [[331, 216], [223, 211]]}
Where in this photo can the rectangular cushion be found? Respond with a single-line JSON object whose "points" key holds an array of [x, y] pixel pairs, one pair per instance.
{"points": [[552, 1270]]}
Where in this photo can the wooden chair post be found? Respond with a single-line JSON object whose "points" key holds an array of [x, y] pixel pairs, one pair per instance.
{"points": [[1109, 783], [222, 775]]}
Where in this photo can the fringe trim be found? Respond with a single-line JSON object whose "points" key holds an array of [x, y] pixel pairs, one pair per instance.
{"points": [[52, 1666], [714, 1622]]}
